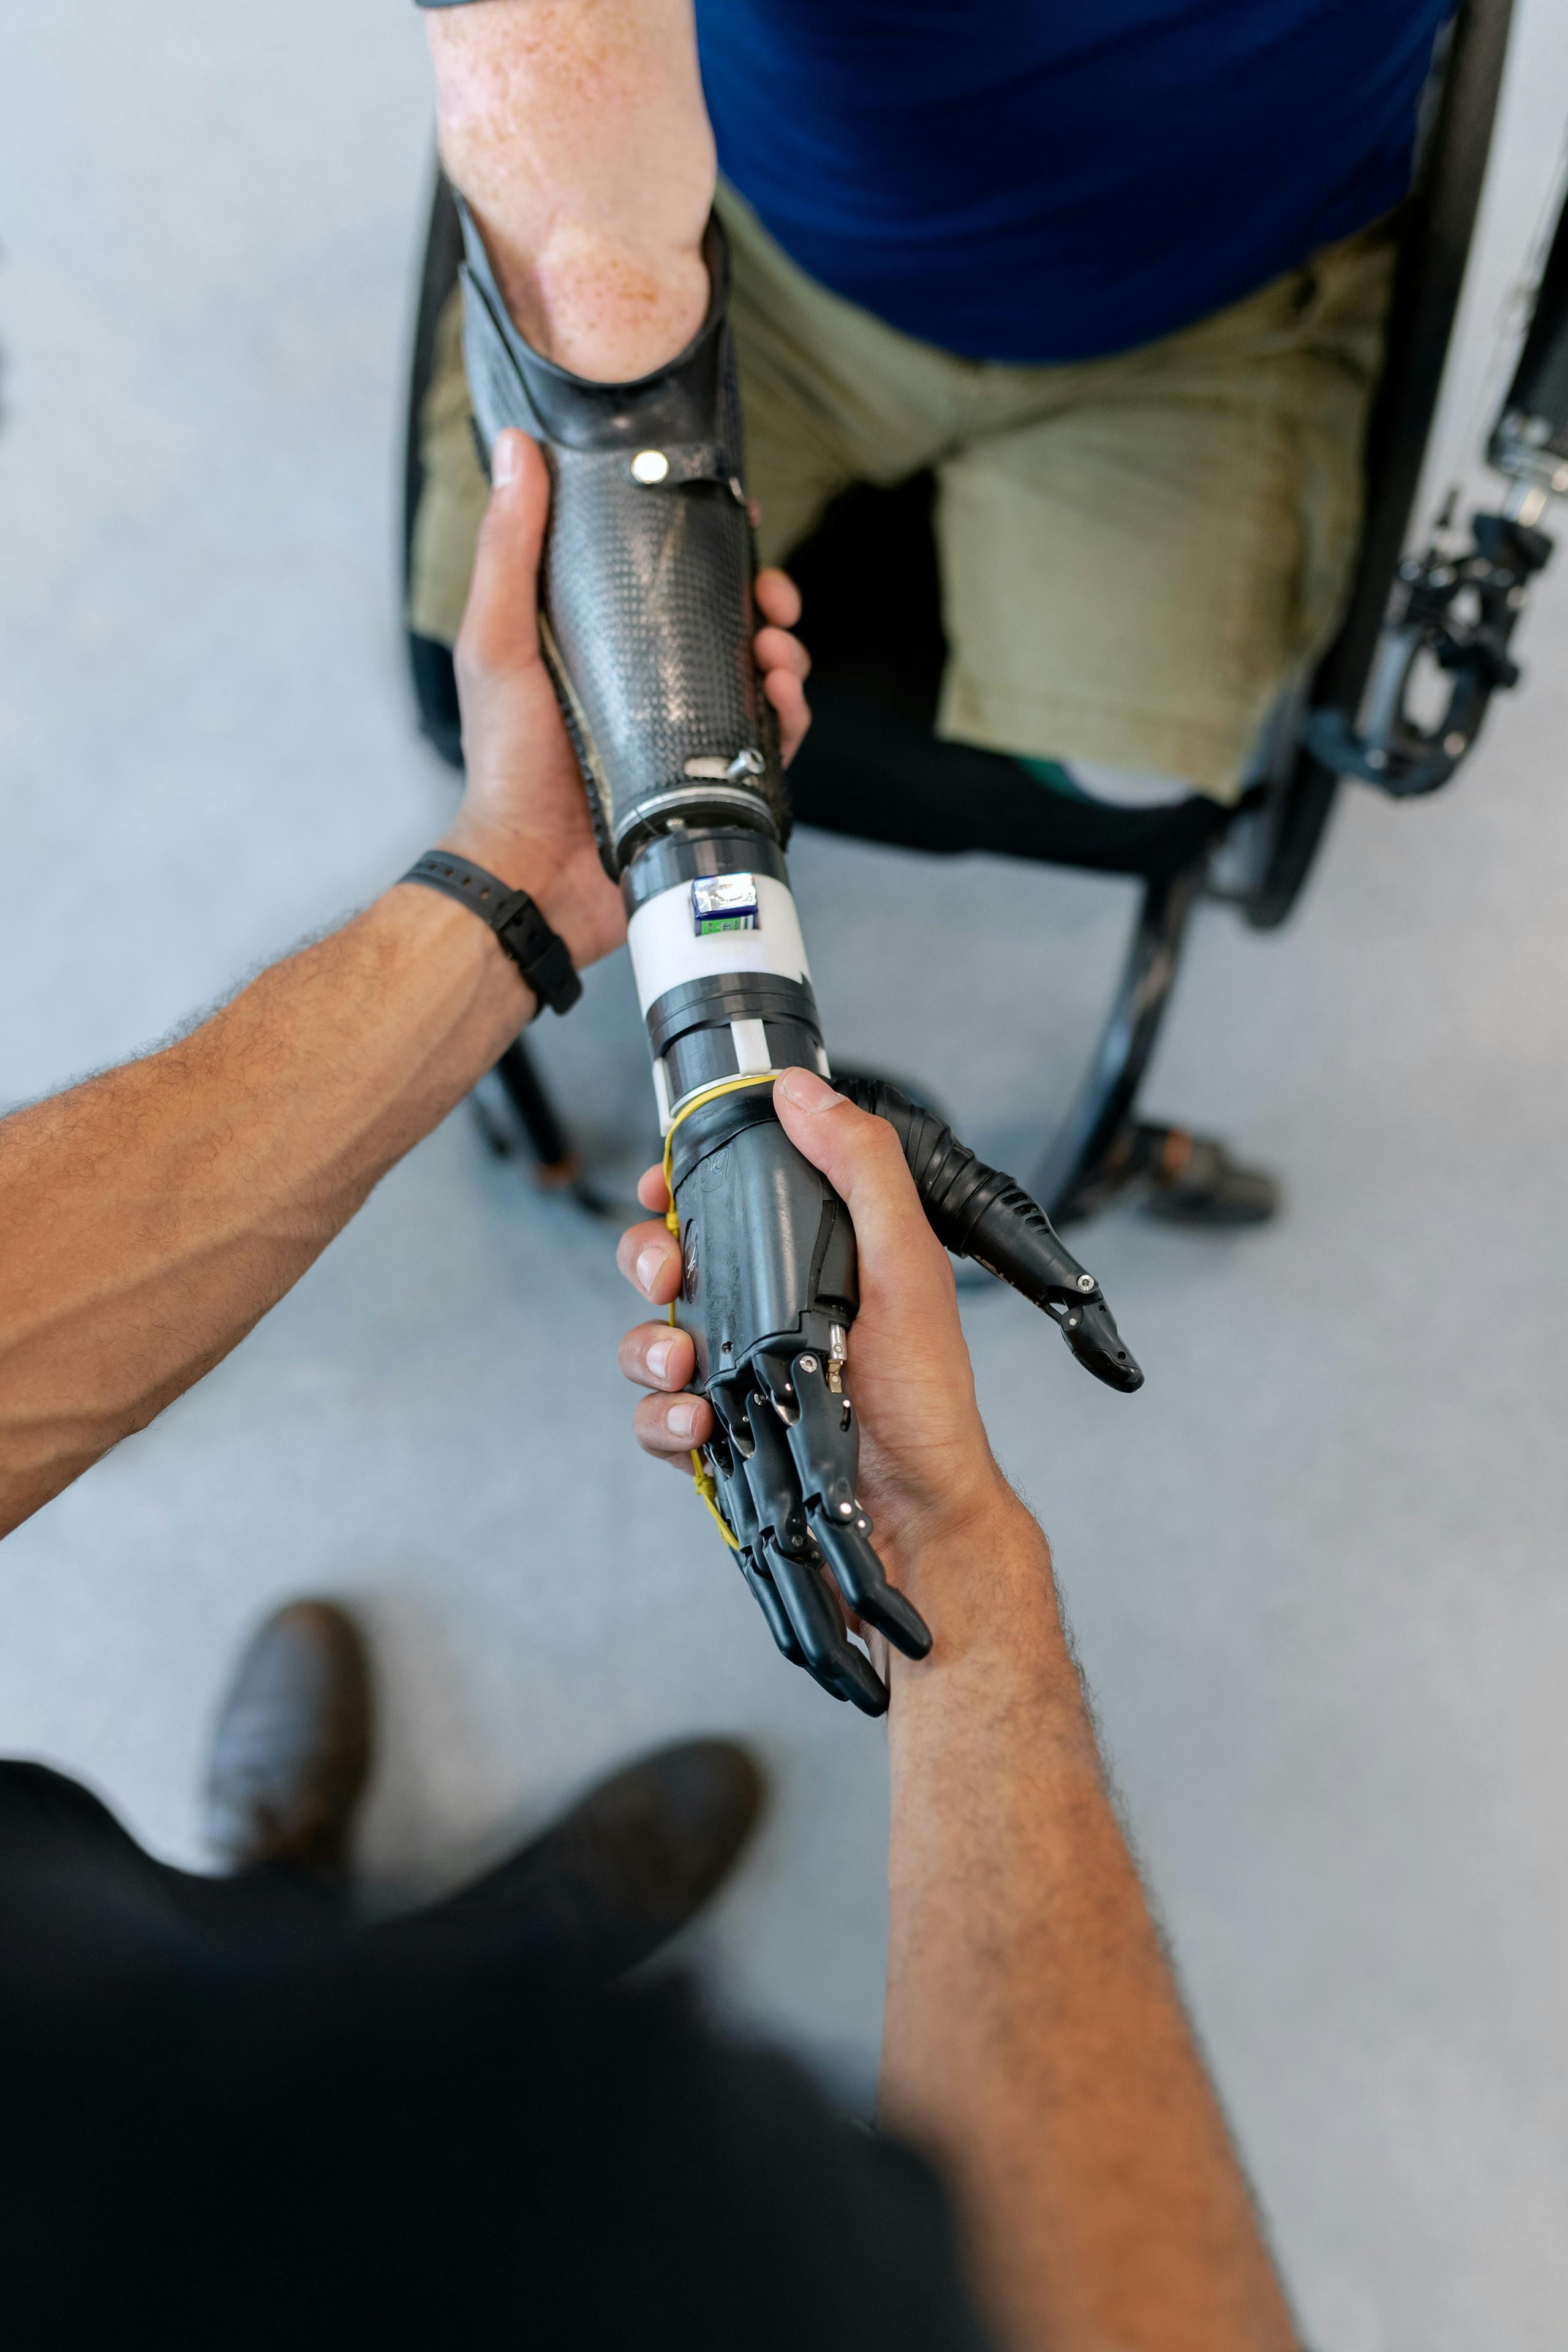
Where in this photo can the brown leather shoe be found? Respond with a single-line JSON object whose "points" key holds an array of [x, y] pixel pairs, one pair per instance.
{"points": [[1195, 1182], [633, 1861], [291, 1754]]}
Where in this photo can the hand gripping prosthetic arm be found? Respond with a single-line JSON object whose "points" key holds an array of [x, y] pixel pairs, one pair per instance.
{"points": [[646, 625]]}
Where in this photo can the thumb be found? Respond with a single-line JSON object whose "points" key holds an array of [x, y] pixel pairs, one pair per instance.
{"points": [[500, 626], [863, 1160]]}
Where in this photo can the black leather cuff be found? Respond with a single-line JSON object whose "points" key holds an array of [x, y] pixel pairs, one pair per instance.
{"points": [[539, 953]]}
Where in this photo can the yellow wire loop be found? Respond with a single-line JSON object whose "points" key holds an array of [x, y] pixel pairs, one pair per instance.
{"points": [[701, 1477]]}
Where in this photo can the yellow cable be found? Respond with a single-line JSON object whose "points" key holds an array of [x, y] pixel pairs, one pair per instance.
{"points": [[701, 1477]]}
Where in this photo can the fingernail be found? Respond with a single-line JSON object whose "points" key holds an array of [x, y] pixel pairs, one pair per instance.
{"points": [[658, 1356], [681, 1419], [807, 1091], [650, 1266], [503, 459]]}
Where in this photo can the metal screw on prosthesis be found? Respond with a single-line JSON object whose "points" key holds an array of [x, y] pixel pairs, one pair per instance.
{"points": [[745, 763]]}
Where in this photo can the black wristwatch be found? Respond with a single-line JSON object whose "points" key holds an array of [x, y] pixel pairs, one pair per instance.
{"points": [[539, 953]]}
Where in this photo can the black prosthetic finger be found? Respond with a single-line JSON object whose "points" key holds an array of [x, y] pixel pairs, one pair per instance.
{"points": [[727, 1464], [980, 1212], [725, 1460], [1088, 1327], [770, 1473], [831, 1657], [815, 1619], [765, 1595], [824, 1446], [824, 1439], [861, 1686], [859, 1576]]}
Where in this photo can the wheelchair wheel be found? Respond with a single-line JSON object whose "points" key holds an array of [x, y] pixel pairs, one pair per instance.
{"points": [[429, 662]]}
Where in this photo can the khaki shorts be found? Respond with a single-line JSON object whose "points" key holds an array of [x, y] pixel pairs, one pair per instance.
{"points": [[1137, 553]]}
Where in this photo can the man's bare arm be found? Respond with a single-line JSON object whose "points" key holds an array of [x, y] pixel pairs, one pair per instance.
{"points": [[1035, 2037], [577, 132], [152, 1214]]}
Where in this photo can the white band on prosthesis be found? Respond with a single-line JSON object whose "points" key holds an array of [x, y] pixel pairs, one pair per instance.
{"points": [[667, 951]]}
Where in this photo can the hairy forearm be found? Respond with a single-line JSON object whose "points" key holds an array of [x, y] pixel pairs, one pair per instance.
{"points": [[577, 132], [1035, 2037], [154, 1213]]}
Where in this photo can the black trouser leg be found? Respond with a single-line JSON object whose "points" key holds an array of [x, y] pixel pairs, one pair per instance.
{"points": [[69, 1871], [535, 1903]]}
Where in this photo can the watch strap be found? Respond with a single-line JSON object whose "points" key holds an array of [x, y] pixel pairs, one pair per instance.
{"points": [[539, 954]]}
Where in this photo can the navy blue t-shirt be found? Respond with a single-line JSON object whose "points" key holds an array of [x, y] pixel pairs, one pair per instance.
{"points": [[1034, 180]]}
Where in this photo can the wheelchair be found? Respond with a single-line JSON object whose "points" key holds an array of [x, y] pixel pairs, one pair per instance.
{"points": [[871, 767]]}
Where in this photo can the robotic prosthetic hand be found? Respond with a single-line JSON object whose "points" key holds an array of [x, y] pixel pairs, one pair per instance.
{"points": [[646, 625]]}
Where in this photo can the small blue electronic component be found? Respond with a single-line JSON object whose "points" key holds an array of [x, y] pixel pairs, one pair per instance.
{"points": [[724, 902]]}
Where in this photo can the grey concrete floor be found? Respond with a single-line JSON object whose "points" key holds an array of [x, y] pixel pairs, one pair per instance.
{"points": [[1316, 1567]]}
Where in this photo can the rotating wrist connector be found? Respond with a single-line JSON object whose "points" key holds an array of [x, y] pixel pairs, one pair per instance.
{"points": [[721, 973]]}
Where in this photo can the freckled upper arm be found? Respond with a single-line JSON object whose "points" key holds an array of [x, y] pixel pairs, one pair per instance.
{"points": [[577, 130]]}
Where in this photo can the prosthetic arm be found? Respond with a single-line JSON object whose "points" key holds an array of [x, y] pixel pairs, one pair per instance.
{"points": [[647, 626]]}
